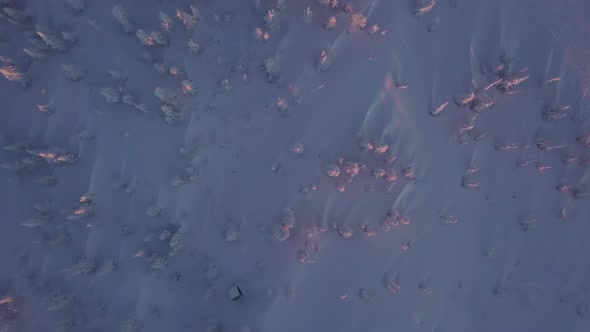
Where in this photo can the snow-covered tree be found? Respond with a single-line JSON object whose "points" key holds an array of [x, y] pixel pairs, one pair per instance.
{"points": [[358, 21], [69, 37], [166, 96], [161, 69], [177, 179], [165, 22], [374, 29], [111, 95], [193, 47], [128, 99], [272, 20], [58, 301], [118, 76], [147, 56], [177, 241], [86, 208], [159, 38], [188, 87], [324, 3], [47, 181], [330, 23], [158, 262], [281, 6], [260, 35], [165, 235], [36, 53], [424, 7], [13, 74], [83, 265], [153, 210], [333, 171], [36, 221], [348, 8], [232, 233], [282, 105], [53, 39], [37, 42], [297, 148], [122, 16], [15, 16], [145, 38], [77, 5], [108, 266], [307, 15], [63, 238], [131, 324], [176, 72], [323, 62], [225, 85], [73, 71], [271, 70], [171, 114], [85, 135], [141, 107], [217, 19], [188, 19]]}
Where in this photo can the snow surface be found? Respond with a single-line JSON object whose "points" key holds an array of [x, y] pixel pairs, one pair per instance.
{"points": [[372, 165]]}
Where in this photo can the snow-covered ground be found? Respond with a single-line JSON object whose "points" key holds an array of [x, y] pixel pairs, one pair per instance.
{"points": [[372, 165]]}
